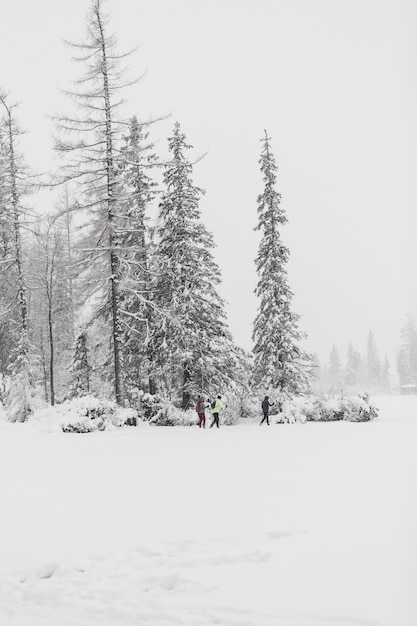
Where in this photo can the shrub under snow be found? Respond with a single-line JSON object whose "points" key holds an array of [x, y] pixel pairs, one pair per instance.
{"points": [[352, 409], [169, 415], [86, 414]]}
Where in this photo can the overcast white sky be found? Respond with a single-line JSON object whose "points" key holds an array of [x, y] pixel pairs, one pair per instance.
{"points": [[333, 82]]}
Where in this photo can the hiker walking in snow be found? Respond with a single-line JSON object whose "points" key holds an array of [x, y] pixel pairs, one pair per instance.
{"points": [[200, 407], [215, 411], [265, 408]]}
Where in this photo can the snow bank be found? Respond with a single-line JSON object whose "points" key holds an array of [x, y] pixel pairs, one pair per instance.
{"points": [[243, 526]]}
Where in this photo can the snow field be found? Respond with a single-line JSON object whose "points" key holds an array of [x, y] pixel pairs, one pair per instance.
{"points": [[305, 524]]}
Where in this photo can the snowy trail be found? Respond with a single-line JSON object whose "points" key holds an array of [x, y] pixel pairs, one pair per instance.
{"points": [[305, 525]]}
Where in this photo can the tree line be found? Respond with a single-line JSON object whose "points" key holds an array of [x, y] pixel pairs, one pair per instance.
{"points": [[371, 370], [97, 298]]}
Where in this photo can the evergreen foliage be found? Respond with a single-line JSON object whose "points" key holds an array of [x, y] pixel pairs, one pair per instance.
{"points": [[407, 356], [20, 391], [136, 289], [80, 384], [353, 369], [335, 369], [279, 362], [385, 375], [373, 364], [194, 351]]}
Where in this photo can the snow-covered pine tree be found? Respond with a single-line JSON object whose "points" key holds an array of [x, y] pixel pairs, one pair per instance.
{"points": [[407, 357], [385, 376], [316, 372], [136, 293], [80, 379], [279, 362], [20, 384], [91, 141], [373, 364], [334, 370], [193, 347], [353, 369]]}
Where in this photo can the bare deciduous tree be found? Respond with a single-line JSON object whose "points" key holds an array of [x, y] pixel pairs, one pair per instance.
{"points": [[90, 141]]}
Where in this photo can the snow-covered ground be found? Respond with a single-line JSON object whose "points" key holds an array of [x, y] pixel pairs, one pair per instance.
{"points": [[300, 525]]}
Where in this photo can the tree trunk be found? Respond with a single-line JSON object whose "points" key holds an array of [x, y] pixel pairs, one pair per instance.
{"points": [[186, 397], [51, 353], [45, 374], [114, 265]]}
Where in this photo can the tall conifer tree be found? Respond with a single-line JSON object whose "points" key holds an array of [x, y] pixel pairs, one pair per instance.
{"points": [[373, 364], [136, 291], [194, 346], [335, 369], [407, 357], [279, 361], [353, 368]]}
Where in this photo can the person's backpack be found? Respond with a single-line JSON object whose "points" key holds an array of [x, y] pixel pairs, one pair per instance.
{"points": [[213, 404]]}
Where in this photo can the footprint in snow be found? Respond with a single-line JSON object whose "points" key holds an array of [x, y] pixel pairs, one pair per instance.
{"points": [[47, 570]]}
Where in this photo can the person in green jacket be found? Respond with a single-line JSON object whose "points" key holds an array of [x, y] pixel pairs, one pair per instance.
{"points": [[215, 411]]}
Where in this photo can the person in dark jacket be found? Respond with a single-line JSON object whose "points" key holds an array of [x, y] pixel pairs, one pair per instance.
{"points": [[200, 407], [265, 408]]}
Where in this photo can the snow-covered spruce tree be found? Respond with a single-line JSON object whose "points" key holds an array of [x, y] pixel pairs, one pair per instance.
{"points": [[373, 364], [385, 375], [194, 351], [136, 306], [279, 362], [80, 383], [353, 371], [18, 398], [316, 372], [91, 141], [334, 371], [407, 356]]}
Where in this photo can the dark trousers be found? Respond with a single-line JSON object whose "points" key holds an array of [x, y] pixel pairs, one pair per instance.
{"points": [[265, 417], [215, 420], [202, 420]]}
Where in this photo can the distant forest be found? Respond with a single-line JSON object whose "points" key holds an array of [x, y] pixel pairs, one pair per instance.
{"points": [[370, 371]]}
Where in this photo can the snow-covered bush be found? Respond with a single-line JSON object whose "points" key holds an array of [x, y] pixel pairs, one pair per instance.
{"points": [[159, 411], [316, 409], [358, 409], [239, 405], [147, 405], [170, 415], [87, 414], [352, 408], [290, 411]]}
